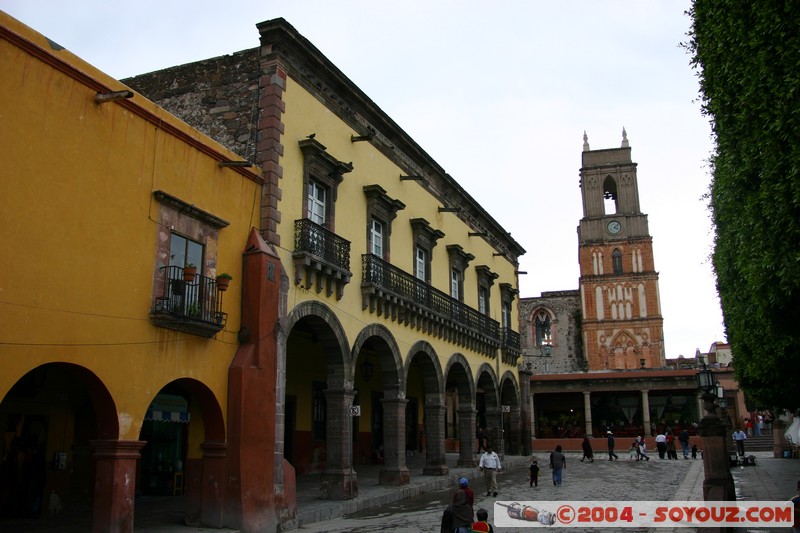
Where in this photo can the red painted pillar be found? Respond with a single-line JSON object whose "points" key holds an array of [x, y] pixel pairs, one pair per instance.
{"points": [[114, 484], [212, 483]]}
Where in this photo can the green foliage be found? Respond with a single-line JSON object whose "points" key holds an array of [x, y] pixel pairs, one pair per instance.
{"points": [[748, 59]]}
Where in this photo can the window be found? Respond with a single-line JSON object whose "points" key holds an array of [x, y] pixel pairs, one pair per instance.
{"points": [[322, 174], [421, 264], [455, 284], [542, 324], [505, 315], [316, 203], [376, 238], [616, 259], [183, 251], [459, 259], [425, 238], [381, 211], [485, 281]]}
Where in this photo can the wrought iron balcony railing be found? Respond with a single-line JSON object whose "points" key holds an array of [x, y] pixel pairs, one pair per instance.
{"points": [[321, 258], [511, 346], [389, 291], [188, 303]]}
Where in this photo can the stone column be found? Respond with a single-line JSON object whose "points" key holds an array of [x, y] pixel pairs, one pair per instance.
{"points": [[394, 471], [718, 482], [494, 431], [466, 437], [526, 418], [587, 412], [212, 484], [513, 431], [534, 420], [339, 480], [114, 484], [645, 414], [435, 458]]}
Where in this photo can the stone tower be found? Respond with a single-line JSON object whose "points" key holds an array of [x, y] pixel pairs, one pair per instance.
{"points": [[622, 324]]}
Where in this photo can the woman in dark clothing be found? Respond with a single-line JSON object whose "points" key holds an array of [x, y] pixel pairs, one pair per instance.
{"points": [[587, 449]]}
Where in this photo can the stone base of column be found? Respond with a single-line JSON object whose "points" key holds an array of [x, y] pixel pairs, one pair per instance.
{"points": [[467, 463], [394, 476], [338, 485], [435, 470]]}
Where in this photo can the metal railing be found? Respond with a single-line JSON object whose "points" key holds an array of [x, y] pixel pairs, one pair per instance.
{"points": [[320, 242], [190, 298], [511, 340], [412, 289]]}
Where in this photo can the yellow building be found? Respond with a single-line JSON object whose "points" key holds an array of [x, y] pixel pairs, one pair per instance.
{"points": [[106, 351], [377, 297]]}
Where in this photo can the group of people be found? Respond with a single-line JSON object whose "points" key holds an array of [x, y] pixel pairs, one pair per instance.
{"points": [[759, 423], [459, 517]]}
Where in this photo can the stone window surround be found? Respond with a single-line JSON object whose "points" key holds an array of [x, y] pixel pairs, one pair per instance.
{"points": [[320, 166], [382, 207], [425, 237]]}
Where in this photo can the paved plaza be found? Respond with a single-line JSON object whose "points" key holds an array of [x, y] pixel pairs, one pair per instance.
{"points": [[418, 506]]}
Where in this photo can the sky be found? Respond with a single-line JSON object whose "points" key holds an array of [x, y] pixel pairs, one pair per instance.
{"points": [[498, 93]]}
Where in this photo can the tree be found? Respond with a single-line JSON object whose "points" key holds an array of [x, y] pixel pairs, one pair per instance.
{"points": [[747, 55]]}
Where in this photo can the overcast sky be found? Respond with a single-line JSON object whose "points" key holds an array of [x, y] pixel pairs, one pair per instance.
{"points": [[499, 93]]}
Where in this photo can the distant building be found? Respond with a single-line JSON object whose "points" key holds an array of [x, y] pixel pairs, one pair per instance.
{"points": [[597, 354]]}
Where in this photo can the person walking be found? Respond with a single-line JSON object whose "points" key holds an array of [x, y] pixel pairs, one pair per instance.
{"points": [[587, 449], [558, 462], [462, 510], [611, 444], [683, 438], [671, 453], [490, 465], [643, 449], [534, 473], [739, 437], [661, 445]]}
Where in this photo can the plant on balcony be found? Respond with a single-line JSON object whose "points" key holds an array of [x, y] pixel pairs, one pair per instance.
{"points": [[193, 311], [223, 280], [189, 272]]}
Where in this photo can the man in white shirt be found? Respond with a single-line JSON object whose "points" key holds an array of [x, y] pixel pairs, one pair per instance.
{"points": [[490, 465]]}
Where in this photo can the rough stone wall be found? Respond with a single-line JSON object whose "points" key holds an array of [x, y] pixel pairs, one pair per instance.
{"points": [[567, 351], [218, 96]]}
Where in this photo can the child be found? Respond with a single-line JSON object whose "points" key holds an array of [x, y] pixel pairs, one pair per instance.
{"points": [[534, 479], [694, 451], [482, 525], [633, 453]]}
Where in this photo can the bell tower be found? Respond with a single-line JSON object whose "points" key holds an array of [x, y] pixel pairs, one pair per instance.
{"points": [[622, 325]]}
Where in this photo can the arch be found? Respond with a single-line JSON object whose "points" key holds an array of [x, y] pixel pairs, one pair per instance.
{"points": [[463, 377], [507, 378], [213, 419], [543, 326], [422, 353], [322, 325], [392, 371], [610, 195], [616, 261]]}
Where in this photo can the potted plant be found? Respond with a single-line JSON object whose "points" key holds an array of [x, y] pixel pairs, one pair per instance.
{"points": [[223, 280], [189, 272]]}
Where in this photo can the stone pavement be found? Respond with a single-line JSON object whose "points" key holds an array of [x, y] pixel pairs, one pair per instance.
{"points": [[417, 507]]}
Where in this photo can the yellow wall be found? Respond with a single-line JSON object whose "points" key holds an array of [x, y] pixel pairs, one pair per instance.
{"points": [[80, 227], [305, 115]]}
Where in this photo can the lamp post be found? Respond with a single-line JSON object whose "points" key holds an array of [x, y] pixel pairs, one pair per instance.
{"points": [[718, 482]]}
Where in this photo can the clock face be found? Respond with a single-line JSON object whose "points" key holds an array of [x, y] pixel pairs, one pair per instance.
{"points": [[614, 227]]}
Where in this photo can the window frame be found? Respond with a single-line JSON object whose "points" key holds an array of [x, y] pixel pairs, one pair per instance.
{"points": [[328, 172]]}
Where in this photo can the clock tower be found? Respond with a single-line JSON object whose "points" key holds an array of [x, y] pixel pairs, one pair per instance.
{"points": [[622, 327]]}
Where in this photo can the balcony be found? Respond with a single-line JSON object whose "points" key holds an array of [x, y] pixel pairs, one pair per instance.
{"points": [[321, 258], [399, 296], [510, 346], [189, 304]]}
